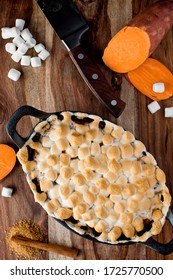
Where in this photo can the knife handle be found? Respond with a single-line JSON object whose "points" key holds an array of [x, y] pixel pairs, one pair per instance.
{"points": [[97, 82]]}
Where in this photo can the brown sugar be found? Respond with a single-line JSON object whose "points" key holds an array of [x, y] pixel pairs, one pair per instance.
{"points": [[27, 229]]}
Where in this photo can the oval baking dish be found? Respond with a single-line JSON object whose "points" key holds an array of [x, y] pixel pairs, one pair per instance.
{"points": [[94, 177]]}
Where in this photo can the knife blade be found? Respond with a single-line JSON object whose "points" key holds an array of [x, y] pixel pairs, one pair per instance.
{"points": [[70, 26]]}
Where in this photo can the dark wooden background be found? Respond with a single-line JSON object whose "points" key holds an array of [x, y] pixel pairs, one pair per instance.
{"points": [[57, 86]]}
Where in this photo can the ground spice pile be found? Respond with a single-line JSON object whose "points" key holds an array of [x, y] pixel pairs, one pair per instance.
{"points": [[27, 229]]}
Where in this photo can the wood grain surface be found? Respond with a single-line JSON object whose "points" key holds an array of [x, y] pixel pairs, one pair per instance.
{"points": [[57, 86]]}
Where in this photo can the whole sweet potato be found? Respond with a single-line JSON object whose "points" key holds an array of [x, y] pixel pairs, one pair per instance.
{"points": [[133, 44], [156, 20]]}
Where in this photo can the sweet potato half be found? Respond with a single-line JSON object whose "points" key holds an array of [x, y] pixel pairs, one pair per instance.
{"points": [[149, 73], [133, 44], [7, 160]]}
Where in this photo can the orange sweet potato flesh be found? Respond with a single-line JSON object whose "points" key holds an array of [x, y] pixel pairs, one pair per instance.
{"points": [[149, 73], [7, 160], [129, 48], [122, 55]]}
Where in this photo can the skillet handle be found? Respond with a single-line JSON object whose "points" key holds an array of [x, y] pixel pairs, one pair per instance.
{"points": [[15, 118], [164, 249]]}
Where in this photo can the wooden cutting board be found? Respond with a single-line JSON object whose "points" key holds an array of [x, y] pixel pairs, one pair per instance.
{"points": [[57, 86]]}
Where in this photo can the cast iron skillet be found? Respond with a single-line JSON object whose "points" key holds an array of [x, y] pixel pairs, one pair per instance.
{"points": [[26, 110]]}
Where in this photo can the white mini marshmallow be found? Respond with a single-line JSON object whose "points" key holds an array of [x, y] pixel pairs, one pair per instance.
{"points": [[25, 60], [14, 32], [20, 23], [5, 32], [44, 54], [153, 107], [35, 61], [159, 87], [7, 192], [16, 56], [18, 41], [10, 48], [26, 34], [169, 112], [23, 48], [39, 47], [14, 74], [31, 42]]}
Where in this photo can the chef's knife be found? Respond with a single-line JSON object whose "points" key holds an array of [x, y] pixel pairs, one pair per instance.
{"points": [[69, 24]]}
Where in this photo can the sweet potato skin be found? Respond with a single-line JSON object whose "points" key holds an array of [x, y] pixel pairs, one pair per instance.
{"points": [[156, 20]]}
